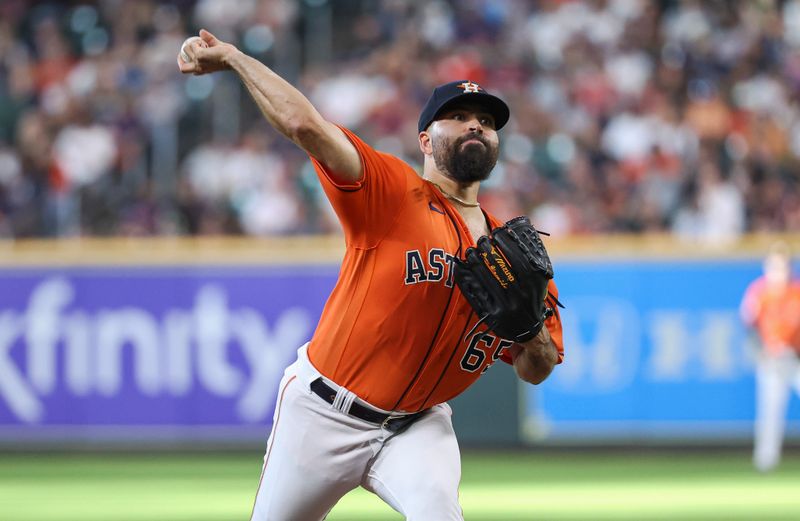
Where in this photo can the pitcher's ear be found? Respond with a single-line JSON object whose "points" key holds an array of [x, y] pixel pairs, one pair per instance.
{"points": [[425, 144]]}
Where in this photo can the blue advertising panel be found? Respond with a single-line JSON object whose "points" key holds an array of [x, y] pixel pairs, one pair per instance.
{"points": [[149, 352], [654, 350]]}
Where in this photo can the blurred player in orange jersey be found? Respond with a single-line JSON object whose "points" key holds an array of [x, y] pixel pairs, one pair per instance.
{"points": [[366, 402], [771, 305]]}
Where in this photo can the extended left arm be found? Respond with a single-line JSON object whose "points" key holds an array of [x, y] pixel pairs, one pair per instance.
{"points": [[535, 359]]}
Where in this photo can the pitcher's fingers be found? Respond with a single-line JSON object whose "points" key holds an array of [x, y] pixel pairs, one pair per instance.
{"points": [[191, 50], [187, 68], [209, 38]]}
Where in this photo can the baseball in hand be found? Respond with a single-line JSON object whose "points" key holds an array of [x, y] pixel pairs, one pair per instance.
{"points": [[188, 41]]}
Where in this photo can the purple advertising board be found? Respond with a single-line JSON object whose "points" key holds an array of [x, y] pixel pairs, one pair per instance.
{"points": [[150, 353]]}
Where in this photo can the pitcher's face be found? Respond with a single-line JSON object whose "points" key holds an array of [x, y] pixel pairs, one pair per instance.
{"points": [[465, 144]]}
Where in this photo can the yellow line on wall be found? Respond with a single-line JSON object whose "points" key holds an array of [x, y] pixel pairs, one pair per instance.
{"points": [[329, 249], [172, 251]]}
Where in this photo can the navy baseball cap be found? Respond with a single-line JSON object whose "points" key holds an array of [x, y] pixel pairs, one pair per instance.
{"points": [[449, 94]]}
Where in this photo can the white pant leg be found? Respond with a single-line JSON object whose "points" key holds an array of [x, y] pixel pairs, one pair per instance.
{"points": [[418, 471], [315, 454], [772, 394], [795, 374]]}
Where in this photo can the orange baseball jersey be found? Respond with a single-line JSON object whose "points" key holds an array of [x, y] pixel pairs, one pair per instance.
{"points": [[775, 312], [393, 331]]}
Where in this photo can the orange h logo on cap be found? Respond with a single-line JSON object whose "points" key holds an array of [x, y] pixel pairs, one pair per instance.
{"points": [[469, 86]]}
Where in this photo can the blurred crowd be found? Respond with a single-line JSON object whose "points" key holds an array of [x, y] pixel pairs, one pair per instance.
{"points": [[627, 115]]}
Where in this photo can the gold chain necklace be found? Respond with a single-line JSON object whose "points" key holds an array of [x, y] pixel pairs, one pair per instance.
{"points": [[456, 199]]}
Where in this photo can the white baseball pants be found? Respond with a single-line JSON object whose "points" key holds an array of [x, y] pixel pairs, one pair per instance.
{"points": [[775, 377], [317, 453]]}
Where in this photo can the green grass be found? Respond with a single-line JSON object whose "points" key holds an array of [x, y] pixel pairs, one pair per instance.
{"points": [[495, 487]]}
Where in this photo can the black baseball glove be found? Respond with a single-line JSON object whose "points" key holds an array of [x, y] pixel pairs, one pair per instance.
{"points": [[505, 280]]}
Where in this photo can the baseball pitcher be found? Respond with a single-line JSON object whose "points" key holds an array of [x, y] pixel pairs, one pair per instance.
{"points": [[432, 291]]}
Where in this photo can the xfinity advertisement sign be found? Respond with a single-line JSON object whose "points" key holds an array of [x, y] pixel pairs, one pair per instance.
{"points": [[150, 347]]}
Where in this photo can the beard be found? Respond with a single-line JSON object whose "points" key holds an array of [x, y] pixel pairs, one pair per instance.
{"points": [[465, 164]]}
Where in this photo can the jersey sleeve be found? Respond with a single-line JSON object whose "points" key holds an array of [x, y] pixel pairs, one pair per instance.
{"points": [[367, 208], [553, 325]]}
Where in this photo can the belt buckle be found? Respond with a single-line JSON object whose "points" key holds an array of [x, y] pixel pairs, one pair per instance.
{"points": [[389, 418]]}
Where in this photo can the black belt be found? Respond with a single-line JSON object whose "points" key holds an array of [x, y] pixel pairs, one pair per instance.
{"points": [[392, 423]]}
